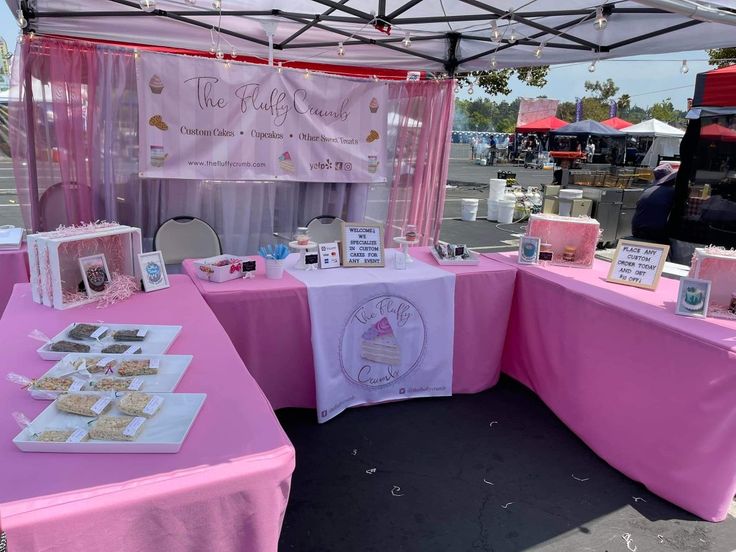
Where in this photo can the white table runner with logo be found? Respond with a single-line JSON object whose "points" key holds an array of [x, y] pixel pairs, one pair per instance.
{"points": [[379, 334]]}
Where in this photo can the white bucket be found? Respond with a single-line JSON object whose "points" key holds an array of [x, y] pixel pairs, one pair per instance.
{"points": [[469, 209], [483, 162], [506, 210], [274, 269], [492, 209], [497, 187], [566, 197]]}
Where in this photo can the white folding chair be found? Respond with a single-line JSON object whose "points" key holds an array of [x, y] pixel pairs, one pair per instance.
{"points": [[325, 229], [182, 238]]}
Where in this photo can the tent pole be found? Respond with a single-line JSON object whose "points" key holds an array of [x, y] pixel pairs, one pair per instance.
{"points": [[31, 146]]}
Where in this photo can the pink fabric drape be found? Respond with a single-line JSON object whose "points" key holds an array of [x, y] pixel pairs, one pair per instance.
{"points": [[80, 101], [421, 157]]}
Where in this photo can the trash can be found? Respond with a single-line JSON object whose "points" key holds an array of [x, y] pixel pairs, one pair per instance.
{"points": [[469, 209]]}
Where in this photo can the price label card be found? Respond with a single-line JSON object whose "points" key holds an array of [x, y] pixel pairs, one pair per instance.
{"points": [[362, 245], [638, 264], [249, 266], [329, 255], [311, 259]]}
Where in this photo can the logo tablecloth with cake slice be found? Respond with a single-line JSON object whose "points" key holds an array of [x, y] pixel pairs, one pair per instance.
{"points": [[203, 119], [380, 334]]}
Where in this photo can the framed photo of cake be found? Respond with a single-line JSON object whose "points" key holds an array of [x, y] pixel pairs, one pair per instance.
{"points": [[529, 250], [153, 271], [692, 297], [95, 274]]}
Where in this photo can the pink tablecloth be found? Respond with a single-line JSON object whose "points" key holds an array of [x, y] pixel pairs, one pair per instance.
{"points": [[13, 270], [651, 392], [225, 490], [268, 322]]}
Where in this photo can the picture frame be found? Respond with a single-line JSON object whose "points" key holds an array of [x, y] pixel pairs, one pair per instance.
{"points": [[95, 274], [153, 271], [329, 255], [529, 247], [362, 245], [638, 264], [693, 296]]}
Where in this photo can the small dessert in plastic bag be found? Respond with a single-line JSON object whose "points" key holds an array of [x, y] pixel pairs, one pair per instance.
{"points": [[84, 404], [140, 404], [129, 335], [137, 368], [121, 348], [47, 387], [87, 331], [116, 428], [94, 365], [69, 347], [118, 384], [68, 435]]}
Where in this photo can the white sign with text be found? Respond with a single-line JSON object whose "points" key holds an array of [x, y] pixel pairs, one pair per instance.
{"points": [[362, 245], [638, 264]]}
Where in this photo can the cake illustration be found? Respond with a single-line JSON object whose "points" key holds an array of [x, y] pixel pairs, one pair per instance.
{"points": [[158, 122], [372, 163], [694, 299], [156, 84], [158, 156], [379, 344], [285, 162], [373, 106], [372, 136]]}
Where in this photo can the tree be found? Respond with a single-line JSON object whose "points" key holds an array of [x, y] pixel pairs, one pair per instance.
{"points": [[722, 57], [566, 111], [497, 82], [665, 111], [624, 102], [602, 91]]}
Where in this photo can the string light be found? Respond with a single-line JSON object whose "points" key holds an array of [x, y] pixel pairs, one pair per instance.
{"points": [[212, 48], [407, 40], [470, 86], [281, 67], [235, 53], [512, 38], [457, 87], [493, 62], [217, 4], [684, 68], [591, 67], [219, 54], [306, 73], [148, 5], [495, 33], [22, 21], [340, 49], [600, 22], [538, 52]]}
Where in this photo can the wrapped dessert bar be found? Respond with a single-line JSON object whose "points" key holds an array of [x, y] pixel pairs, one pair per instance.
{"points": [[118, 384], [47, 387], [94, 365], [69, 347], [116, 428], [69, 435], [121, 348], [143, 367], [84, 404], [87, 331], [130, 335], [140, 404]]}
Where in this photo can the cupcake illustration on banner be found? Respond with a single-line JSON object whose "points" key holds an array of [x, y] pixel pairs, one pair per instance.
{"points": [[372, 163], [156, 84], [158, 156], [373, 105], [285, 162], [372, 136]]}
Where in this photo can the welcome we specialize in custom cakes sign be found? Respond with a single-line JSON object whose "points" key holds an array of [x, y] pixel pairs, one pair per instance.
{"points": [[205, 119]]}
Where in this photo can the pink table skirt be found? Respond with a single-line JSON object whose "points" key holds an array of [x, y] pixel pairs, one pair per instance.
{"points": [[651, 392], [225, 490], [13, 270], [268, 322]]}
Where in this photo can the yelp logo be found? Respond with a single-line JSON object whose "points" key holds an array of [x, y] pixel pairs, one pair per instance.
{"points": [[325, 165]]}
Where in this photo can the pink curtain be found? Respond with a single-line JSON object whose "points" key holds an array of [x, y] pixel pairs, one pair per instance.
{"points": [[422, 118], [80, 162]]}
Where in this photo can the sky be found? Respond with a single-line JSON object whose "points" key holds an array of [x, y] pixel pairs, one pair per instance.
{"points": [[648, 79]]}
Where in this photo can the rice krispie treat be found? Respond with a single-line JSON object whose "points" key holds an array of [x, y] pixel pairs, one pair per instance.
{"points": [[137, 368], [62, 436], [84, 404], [128, 335], [120, 348], [140, 404], [53, 384], [69, 347], [85, 331], [117, 384], [116, 428], [94, 365]]}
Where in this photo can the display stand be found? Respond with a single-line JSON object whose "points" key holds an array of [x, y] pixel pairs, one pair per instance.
{"points": [[405, 244], [301, 264]]}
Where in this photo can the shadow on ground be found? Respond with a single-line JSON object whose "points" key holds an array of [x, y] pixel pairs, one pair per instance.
{"points": [[435, 475]]}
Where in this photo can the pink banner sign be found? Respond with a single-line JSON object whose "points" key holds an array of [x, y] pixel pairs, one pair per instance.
{"points": [[534, 109], [207, 119]]}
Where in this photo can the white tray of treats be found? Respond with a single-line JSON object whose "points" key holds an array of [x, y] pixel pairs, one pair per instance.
{"points": [[97, 372], [473, 258], [163, 431], [110, 339]]}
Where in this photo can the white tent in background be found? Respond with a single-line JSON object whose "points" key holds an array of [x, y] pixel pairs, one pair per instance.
{"points": [[666, 141]]}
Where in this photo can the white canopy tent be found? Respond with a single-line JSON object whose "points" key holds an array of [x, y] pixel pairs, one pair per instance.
{"points": [[432, 35], [665, 143]]}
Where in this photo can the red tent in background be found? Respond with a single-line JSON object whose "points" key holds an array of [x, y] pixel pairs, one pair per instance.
{"points": [[542, 125], [715, 131], [716, 88], [617, 123]]}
